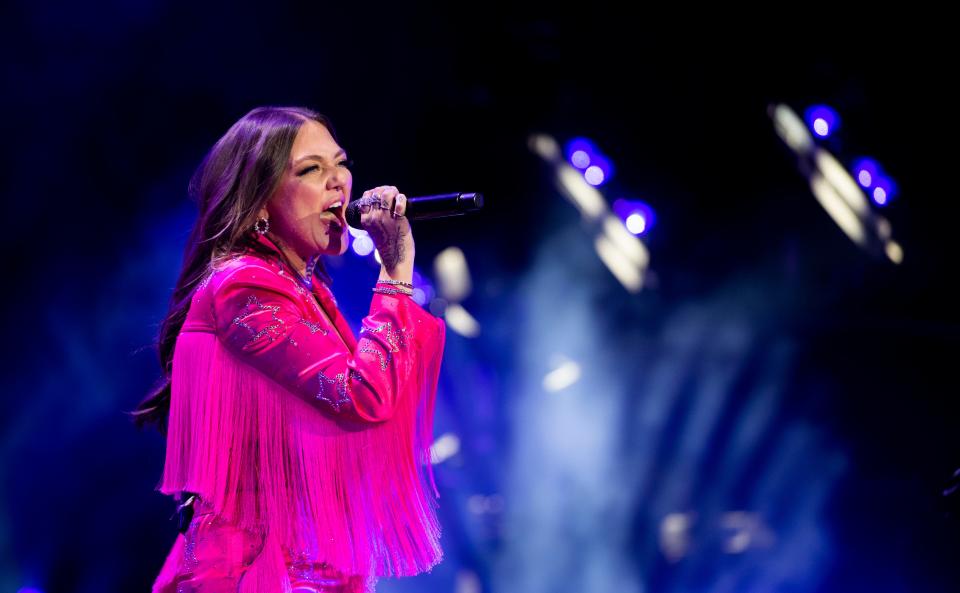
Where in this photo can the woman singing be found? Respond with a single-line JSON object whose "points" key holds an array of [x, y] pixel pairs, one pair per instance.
{"points": [[301, 451]]}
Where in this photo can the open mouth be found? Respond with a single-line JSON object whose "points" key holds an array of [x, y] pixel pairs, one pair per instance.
{"points": [[336, 211], [335, 220]]}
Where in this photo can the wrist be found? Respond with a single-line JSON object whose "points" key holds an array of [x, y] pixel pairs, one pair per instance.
{"points": [[396, 274]]}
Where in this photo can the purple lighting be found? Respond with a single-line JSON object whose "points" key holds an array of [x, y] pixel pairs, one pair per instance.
{"points": [[884, 191], [866, 171], [637, 215], [363, 245], [822, 120], [580, 159], [599, 172], [594, 175], [581, 152]]}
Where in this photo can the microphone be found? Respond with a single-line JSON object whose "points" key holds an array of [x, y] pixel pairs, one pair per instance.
{"points": [[424, 207]]}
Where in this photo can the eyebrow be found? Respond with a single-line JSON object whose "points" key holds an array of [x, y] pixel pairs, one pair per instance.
{"points": [[317, 157]]}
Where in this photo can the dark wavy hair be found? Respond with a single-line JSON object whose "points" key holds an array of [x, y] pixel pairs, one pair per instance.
{"points": [[231, 185]]}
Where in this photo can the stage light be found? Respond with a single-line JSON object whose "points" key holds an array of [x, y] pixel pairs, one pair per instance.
{"points": [[581, 152], [636, 223], [822, 120], [838, 208], [883, 190], [626, 243], [842, 182], [791, 130], [580, 159], [894, 252], [583, 195], [599, 172], [638, 216], [866, 171], [461, 321], [675, 530], [467, 582], [566, 374], [594, 175], [880, 196], [452, 274], [445, 447], [363, 245], [625, 271]]}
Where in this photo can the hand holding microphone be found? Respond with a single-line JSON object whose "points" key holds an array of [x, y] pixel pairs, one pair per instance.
{"points": [[385, 213], [420, 208], [381, 213]]}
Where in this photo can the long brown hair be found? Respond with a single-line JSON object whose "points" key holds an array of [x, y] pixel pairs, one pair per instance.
{"points": [[231, 185]]}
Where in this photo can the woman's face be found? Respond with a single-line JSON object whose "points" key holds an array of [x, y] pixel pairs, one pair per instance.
{"points": [[303, 211]]}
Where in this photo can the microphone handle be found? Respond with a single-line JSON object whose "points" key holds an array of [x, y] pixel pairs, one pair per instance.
{"points": [[424, 207], [442, 205]]}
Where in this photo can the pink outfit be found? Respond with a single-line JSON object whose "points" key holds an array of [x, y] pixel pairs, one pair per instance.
{"points": [[309, 449]]}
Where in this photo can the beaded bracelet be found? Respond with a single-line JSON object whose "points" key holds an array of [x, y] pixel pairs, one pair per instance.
{"points": [[393, 291], [396, 282]]}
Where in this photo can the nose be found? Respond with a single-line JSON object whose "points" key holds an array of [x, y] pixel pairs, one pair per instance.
{"points": [[338, 180]]}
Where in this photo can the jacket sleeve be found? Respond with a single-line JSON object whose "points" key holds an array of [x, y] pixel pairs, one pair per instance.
{"points": [[261, 319]]}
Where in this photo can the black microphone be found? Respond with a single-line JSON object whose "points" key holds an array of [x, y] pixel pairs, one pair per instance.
{"points": [[421, 208]]}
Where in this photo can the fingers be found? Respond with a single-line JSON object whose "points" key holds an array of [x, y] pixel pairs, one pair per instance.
{"points": [[384, 197], [367, 202]]}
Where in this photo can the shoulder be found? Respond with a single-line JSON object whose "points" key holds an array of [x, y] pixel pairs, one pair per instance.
{"points": [[244, 269], [248, 270]]}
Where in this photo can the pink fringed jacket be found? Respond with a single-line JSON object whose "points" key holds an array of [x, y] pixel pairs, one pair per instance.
{"points": [[288, 425]]}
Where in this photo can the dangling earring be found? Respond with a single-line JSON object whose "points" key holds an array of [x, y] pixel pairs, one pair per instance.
{"points": [[261, 226]]}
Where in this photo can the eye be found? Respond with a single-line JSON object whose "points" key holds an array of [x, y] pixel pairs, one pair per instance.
{"points": [[346, 163], [306, 170]]}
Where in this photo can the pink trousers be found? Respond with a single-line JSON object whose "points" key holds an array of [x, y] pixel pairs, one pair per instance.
{"points": [[216, 555]]}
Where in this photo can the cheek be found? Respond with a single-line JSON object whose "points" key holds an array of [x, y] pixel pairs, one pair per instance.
{"points": [[304, 201], [279, 204]]}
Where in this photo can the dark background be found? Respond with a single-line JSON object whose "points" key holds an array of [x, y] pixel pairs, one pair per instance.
{"points": [[771, 368]]}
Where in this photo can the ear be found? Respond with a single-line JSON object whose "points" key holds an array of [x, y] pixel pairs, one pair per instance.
{"points": [[262, 213]]}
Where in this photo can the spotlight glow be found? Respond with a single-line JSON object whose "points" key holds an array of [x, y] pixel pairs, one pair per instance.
{"points": [[866, 172], [637, 215], [791, 130], [566, 374], [821, 127], [445, 447], [363, 245], [594, 175], [883, 190], [605, 166], [636, 223], [453, 275], [580, 152], [357, 232], [580, 159], [894, 251], [461, 321], [838, 208], [419, 296], [822, 120], [880, 196]]}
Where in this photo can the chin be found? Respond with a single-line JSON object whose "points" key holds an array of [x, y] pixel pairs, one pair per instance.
{"points": [[335, 248]]}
